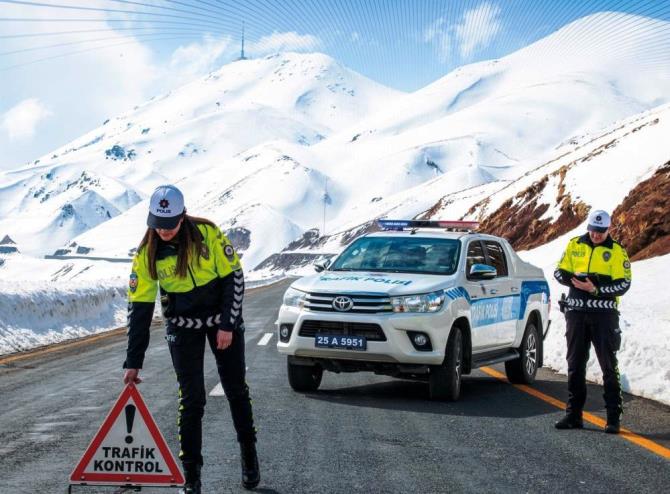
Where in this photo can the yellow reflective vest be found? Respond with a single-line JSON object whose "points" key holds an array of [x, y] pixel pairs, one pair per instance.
{"points": [[606, 265], [210, 296]]}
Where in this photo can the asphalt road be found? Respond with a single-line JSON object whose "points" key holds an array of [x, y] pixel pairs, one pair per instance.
{"points": [[358, 433]]}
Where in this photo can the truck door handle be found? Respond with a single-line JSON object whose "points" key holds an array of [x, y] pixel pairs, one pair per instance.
{"points": [[515, 289], [493, 291]]}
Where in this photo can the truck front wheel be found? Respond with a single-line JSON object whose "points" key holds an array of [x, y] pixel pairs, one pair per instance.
{"points": [[444, 381], [304, 377]]}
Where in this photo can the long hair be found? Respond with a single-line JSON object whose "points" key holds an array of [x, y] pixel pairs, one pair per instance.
{"points": [[189, 245]]}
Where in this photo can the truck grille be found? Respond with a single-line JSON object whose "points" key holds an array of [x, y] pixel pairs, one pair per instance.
{"points": [[362, 304], [371, 332]]}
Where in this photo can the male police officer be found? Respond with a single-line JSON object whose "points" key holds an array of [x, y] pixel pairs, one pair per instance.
{"points": [[597, 270]]}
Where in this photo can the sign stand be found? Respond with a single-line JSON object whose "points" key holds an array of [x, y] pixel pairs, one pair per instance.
{"points": [[128, 450]]}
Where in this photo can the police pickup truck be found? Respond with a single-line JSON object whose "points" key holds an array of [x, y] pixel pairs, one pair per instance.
{"points": [[427, 300]]}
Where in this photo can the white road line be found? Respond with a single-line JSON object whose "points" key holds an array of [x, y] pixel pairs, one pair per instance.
{"points": [[265, 339], [217, 391]]}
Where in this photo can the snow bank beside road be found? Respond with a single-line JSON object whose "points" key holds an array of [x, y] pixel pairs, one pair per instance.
{"points": [[38, 313]]}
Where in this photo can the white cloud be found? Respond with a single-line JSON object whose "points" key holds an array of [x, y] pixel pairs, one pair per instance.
{"points": [[287, 41], [476, 30], [438, 34], [81, 90], [198, 58], [80, 83], [21, 120]]}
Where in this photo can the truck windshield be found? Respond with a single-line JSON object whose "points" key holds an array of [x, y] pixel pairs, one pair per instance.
{"points": [[400, 255]]}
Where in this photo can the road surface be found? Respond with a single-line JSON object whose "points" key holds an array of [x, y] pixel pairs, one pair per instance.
{"points": [[358, 433]]}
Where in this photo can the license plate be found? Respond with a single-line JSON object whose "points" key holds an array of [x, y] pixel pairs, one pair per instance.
{"points": [[345, 342]]}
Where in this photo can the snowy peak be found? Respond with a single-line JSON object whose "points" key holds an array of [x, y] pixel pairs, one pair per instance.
{"points": [[313, 85], [44, 209], [7, 246], [288, 98]]}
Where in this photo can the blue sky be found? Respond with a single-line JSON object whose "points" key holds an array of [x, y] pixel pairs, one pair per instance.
{"points": [[66, 68]]}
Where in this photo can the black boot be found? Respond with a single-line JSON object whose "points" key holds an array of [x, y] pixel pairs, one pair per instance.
{"points": [[613, 423], [192, 476], [251, 474], [570, 421]]}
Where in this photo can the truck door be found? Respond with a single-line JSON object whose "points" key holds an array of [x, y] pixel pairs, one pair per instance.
{"points": [[506, 287], [482, 317]]}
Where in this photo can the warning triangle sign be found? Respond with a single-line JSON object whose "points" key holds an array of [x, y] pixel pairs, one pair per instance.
{"points": [[128, 449]]}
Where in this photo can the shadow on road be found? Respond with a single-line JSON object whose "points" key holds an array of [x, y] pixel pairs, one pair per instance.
{"points": [[480, 397]]}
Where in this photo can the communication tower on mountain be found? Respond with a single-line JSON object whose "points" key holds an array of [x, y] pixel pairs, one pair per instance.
{"points": [[242, 57]]}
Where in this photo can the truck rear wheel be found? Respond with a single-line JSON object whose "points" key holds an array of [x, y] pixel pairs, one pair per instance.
{"points": [[444, 381], [523, 369], [304, 377]]}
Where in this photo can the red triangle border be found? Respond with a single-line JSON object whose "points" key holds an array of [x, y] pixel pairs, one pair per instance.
{"points": [[175, 478]]}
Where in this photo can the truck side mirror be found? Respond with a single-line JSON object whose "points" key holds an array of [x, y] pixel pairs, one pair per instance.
{"points": [[321, 265], [482, 272]]}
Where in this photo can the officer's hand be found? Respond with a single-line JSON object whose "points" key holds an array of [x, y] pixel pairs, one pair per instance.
{"points": [[131, 376], [587, 285], [223, 339]]}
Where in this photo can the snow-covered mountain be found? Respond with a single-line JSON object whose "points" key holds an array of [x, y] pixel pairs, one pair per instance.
{"points": [[624, 168], [493, 120], [273, 148], [197, 129]]}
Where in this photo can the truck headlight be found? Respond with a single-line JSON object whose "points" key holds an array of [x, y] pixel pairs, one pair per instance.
{"points": [[294, 298], [429, 302]]}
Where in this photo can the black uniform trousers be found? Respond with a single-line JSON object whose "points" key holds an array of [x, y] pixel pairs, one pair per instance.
{"points": [[187, 349], [601, 329]]}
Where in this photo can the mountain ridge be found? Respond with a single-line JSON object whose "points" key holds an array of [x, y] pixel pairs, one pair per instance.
{"points": [[475, 129]]}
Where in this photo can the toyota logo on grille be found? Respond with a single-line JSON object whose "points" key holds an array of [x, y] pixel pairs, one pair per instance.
{"points": [[342, 304]]}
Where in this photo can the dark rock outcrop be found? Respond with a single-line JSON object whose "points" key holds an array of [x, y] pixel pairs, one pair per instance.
{"points": [[240, 238], [8, 246], [641, 223], [518, 221]]}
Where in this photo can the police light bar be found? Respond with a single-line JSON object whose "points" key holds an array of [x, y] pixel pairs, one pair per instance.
{"points": [[400, 225]]}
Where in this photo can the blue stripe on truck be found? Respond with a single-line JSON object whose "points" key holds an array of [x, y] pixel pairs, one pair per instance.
{"points": [[497, 309], [529, 288]]}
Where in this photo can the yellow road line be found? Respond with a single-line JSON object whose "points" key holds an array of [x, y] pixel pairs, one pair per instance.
{"points": [[625, 433]]}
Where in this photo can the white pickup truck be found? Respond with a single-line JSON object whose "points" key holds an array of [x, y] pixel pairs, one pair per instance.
{"points": [[428, 300]]}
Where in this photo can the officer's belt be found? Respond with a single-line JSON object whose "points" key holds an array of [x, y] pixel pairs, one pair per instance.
{"points": [[590, 303], [196, 322]]}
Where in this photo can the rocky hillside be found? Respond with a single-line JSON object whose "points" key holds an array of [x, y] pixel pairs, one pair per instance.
{"points": [[624, 169], [642, 220], [555, 198]]}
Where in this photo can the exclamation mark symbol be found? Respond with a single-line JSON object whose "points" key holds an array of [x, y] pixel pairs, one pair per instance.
{"points": [[130, 417]]}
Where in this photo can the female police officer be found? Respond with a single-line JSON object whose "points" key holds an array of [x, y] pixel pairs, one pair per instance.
{"points": [[201, 285]]}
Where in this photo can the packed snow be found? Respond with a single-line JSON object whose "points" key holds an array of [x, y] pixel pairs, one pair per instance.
{"points": [[50, 301]]}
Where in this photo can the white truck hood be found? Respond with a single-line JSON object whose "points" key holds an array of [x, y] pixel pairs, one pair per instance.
{"points": [[366, 282]]}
